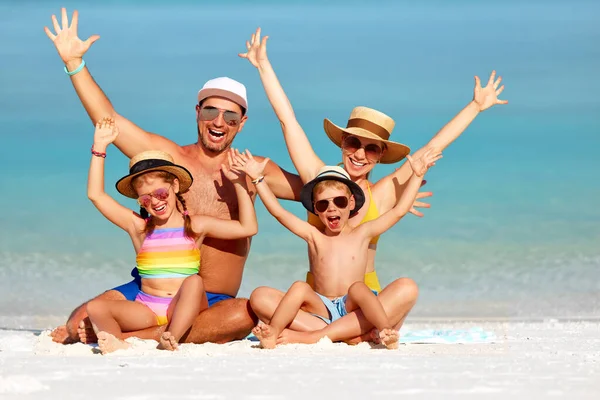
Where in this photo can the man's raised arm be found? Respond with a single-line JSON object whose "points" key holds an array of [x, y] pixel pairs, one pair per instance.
{"points": [[132, 139]]}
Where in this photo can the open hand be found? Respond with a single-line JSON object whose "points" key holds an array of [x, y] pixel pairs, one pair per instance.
{"points": [[426, 161], [68, 44], [488, 96], [245, 162], [229, 170], [420, 204], [106, 133], [257, 49]]}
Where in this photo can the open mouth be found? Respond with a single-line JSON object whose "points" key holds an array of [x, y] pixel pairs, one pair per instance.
{"points": [[333, 222], [160, 209], [356, 163], [216, 134]]}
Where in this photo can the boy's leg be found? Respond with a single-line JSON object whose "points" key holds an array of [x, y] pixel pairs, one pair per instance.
{"points": [[363, 298], [187, 304], [264, 301], [300, 295]]}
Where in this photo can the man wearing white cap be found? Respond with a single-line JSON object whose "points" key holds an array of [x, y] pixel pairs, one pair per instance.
{"points": [[220, 115]]}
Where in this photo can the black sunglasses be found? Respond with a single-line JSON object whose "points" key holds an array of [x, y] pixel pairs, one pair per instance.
{"points": [[339, 201]]}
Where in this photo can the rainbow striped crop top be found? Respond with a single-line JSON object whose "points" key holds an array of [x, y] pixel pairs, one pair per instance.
{"points": [[167, 253]]}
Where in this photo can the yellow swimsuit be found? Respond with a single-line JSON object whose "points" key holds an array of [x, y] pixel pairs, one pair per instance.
{"points": [[371, 279]]}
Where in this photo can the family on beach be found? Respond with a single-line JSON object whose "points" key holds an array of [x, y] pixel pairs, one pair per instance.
{"points": [[192, 232]]}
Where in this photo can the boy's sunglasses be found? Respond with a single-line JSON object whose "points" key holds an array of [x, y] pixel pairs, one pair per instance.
{"points": [[231, 118], [372, 151], [339, 201], [160, 194]]}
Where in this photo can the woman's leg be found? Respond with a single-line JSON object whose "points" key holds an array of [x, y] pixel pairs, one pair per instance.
{"points": [[189, 301]]}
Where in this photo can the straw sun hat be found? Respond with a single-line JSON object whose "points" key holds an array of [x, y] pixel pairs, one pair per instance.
{"points": [[371, 124], [153, 160]]}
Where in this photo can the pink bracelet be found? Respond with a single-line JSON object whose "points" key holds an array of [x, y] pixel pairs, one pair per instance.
{"points": [[97, 153]]}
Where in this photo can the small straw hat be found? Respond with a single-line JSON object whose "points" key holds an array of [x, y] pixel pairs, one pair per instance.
{"points": [[153, 160], [372, 124]]}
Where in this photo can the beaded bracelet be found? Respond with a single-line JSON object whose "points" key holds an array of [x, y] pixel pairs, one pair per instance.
{"points": [[258, 180], [97, 153]]}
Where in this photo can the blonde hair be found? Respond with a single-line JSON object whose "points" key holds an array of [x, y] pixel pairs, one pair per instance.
{"points": [[330, 183]]}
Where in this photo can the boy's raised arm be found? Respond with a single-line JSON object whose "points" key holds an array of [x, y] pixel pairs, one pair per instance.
{"points": [[255, 170], [132, 139], [419, 167]]}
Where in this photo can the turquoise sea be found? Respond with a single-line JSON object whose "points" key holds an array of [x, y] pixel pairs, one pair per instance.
{"points": [[514, 228]]}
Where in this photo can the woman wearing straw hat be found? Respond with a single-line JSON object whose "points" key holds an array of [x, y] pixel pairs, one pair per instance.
{"points": [[365, 142]]}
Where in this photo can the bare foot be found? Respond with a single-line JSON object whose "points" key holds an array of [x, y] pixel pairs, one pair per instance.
{"points": [[371, 336], [167, 342], [86, 332], [288, 336], [389, 337], [109, 343], [60, 334], [265, 334]]}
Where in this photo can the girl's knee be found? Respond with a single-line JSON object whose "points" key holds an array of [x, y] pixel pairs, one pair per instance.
{"points": [[93, 307], [194, 280]]}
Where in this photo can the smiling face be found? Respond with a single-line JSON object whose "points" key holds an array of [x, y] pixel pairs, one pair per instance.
{"points": [[333, 202], [156, 191], [360, 155], [216, 130]]}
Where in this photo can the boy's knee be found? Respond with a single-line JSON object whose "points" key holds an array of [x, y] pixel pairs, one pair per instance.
{"points": [[406, 288], [260, 296], [300, 286], [358, 287]]}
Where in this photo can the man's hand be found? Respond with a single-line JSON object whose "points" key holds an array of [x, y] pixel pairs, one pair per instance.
{"points": [[70, 47], [488, 96], [257, 49]]}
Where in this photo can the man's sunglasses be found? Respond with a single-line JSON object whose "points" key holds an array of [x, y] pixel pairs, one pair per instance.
{"points": [[231, 118], [160, 194], [339, 201], [351, 144]]}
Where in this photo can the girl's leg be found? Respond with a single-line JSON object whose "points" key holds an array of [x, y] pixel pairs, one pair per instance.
{"points": [[300, 295], [111, 317], [189, 301], [264, 301]]}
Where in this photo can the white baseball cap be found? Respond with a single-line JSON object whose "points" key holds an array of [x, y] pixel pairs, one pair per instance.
{"points": [[227, 88]]}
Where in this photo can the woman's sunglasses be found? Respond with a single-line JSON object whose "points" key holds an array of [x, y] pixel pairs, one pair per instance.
{"points": [[160, 194], [231, 118], [351, 144], [339, 201]]}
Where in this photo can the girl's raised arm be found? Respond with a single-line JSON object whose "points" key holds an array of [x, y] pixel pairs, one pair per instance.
{"points": [[106, 133]]}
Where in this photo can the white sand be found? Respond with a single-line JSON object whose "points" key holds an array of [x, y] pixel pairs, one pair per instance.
{"points": [[530, 360]]}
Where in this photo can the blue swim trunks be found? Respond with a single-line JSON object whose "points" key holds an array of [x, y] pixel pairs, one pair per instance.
{"points": [[336, 307], [130, 290]]}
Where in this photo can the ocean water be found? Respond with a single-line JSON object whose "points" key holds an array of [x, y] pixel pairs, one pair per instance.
{"points": [[514, 228]]}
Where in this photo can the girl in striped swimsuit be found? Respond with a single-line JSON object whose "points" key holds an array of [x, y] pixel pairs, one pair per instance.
{"points": [[166, 240]]}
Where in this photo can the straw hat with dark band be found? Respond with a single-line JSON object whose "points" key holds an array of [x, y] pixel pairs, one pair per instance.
{"points": [[372, 124], [153, 160], [332, 173]]}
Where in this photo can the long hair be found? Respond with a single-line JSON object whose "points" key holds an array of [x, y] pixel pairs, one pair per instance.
{"points": [[150, 225]]}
